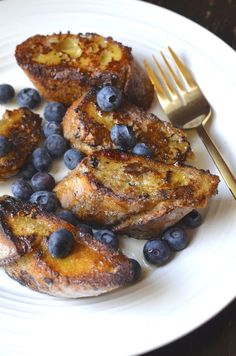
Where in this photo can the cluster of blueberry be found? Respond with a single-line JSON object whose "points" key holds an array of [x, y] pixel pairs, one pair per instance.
{"points": [[110, 98], [27, 97], [160, 250], [38, 190]]}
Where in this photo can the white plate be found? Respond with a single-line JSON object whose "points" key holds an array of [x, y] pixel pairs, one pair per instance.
{"points": [[170, 301]]}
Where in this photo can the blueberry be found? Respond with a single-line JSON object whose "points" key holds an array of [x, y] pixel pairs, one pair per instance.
{"points": [[42, 181], [7, 92], [29, 98], [176, 238], [5, 146], [21, 189], [136, 269], [157, 252], [68, 216], [192, 220], [56, 145], [85, 229], [28, 170], [60, 243], [72, 157], [54, 112], [123, 136], [109, 98], [141, 149], [51, 127], [107, 237], [41, 159], [46, 200]]}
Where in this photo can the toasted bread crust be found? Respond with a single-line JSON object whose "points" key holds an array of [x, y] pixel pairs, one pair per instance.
{"points": [[87, 128], [35, 271], [91, 269], [64, 66], [132, 194], [12, 228], [22, 127]]}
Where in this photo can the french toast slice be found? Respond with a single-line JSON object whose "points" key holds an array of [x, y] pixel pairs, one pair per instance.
{"points": [[64, 66], [87, 128], [132, 194], [22, 127], [92, 268]]}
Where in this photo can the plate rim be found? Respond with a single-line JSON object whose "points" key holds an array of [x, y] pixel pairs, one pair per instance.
{"points": [[192, 23]]}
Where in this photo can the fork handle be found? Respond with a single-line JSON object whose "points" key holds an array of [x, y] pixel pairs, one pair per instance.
{"points": [[224, 170]]}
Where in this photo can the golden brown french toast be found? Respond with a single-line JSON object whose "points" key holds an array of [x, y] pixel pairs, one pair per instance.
{"points": [[64, 66], [22, 127], [87, 128], [132, 194], [92, 268]]}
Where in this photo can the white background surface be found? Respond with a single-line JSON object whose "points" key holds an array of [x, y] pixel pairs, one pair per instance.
{"points": [[170, 301]]}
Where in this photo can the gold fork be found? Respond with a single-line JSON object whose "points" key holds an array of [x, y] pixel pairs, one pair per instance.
{"points": [[185, 105]]}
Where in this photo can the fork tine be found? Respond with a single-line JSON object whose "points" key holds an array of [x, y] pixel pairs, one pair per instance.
{"points": [[173, 75], [169, 86], [161, 94], [183, 70]]}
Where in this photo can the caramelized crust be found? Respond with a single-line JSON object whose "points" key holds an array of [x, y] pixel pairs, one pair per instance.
{"points": [[91, 269], [87, 128], [64, 66], [23, 226], [133, 195], [22, 127]]}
